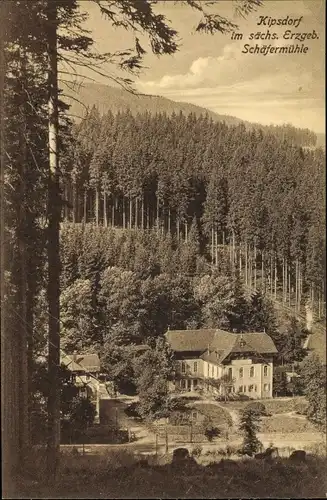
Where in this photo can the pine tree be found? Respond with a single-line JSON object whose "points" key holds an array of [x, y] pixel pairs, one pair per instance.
{"points": [[261, 315], [313, 373], [249, 426]]}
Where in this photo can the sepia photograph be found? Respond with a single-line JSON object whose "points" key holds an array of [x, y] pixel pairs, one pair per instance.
{"points": [[163, 249]]}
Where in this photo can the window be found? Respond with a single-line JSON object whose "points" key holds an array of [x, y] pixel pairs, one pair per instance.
{"points": [[240, 372], [195, 367], [265, 371], [208, 369], [217, 372], [250, 388], [194, 415], [213, 371], [230, 373], [266, 387], [183, 367], [240, 389], [252, 371], [255, 388], [195, 383]]}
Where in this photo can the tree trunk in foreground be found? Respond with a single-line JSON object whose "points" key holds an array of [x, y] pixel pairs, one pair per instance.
{"points": [[53, 249]]}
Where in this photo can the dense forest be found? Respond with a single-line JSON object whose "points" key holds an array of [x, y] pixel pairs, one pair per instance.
{"points": [[122, 288], [117, 100], [196, 211], [254, 193]]}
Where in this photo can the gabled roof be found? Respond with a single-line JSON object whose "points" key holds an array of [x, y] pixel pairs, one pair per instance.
{"points": [[259, 342], [213, 356], [190, 340], [216, 345], [82, 362]]}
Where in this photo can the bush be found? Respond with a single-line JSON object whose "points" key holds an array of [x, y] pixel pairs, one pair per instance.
{"points": [[258, 408], [132, 411], [196, 452], [211, 432], [211, 453], [300, 406], [179, 418], [231, 450], [233, 397]]}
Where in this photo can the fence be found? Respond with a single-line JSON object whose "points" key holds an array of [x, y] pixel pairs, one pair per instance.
{"points": [[166, 435], [97, 435]]}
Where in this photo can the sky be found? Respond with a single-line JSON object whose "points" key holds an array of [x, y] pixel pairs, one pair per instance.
{"points": [[211, 70]]}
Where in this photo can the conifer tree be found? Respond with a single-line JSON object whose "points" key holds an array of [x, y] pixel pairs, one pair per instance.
{"points": [[249, 426], [314, 380]]}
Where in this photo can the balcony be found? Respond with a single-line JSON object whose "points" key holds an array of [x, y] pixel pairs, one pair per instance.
{"points": [[187, 373]]}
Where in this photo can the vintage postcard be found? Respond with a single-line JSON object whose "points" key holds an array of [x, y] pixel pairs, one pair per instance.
{"points": [[163, 243]]}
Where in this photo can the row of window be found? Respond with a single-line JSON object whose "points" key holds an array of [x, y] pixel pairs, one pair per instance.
{"points": [[195, 367], [230, 370], [187, 384], [252, 371], [253, 388]]}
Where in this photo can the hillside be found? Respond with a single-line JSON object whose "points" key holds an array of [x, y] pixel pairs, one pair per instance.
{"points": [[115, 99]]}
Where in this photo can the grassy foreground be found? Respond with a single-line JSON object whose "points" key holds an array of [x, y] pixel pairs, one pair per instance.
{"points": [[120, 475]]}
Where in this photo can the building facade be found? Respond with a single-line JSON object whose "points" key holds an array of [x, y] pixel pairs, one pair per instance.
{"points": [[223, 362], [87, 376]]}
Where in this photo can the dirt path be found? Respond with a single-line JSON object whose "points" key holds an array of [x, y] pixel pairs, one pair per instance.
{"points": [[291, 414], [147, 445], [145, 442]]}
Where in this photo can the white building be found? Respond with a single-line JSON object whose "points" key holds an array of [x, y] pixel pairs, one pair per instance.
{"points": [[223, 361]]}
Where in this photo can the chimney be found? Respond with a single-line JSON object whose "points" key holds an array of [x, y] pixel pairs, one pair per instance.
{"points": [[208, 350], [74, 356]]}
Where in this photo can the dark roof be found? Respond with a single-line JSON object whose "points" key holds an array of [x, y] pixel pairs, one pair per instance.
{"points": [[216, 345], [190, 340], [81, 362], [255, 341], [213, 356]]}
